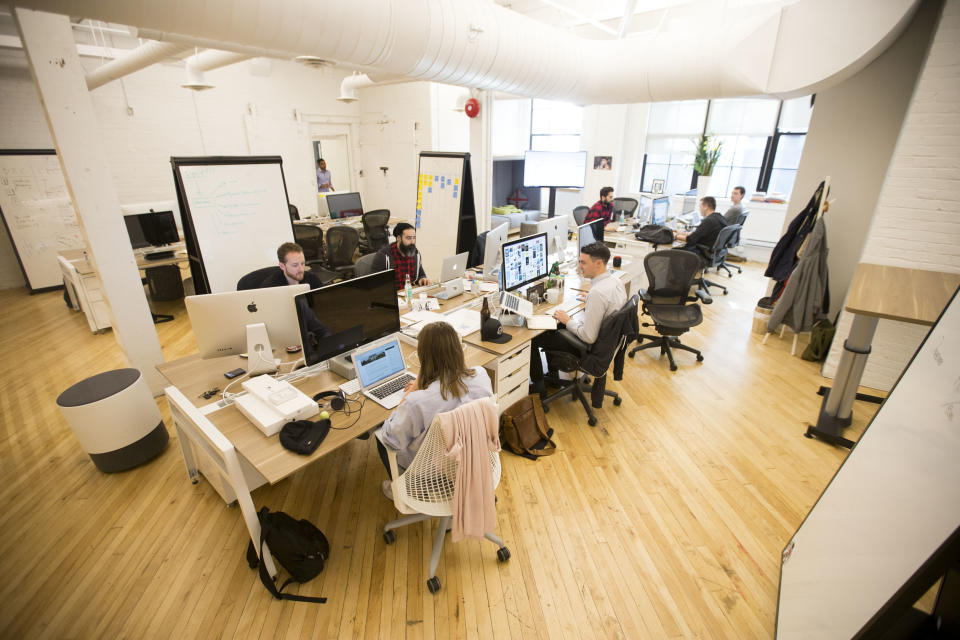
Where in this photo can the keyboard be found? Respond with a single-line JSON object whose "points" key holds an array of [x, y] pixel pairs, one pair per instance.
{"points": [[393, 386], [566, 306], [350, 387]]}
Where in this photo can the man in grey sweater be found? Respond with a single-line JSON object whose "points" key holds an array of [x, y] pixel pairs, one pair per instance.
{"points": [[735, 209]]}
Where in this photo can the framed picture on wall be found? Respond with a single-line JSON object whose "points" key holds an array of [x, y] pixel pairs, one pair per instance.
{"points": [[657, 186], [604, 163]]}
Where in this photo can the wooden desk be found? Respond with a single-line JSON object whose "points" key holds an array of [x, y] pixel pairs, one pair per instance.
{"points": [[894, 293]]}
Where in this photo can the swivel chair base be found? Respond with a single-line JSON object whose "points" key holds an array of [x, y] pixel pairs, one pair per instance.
{"points": [[577, 390], [706, 284], [726, 267], [666, 344]]}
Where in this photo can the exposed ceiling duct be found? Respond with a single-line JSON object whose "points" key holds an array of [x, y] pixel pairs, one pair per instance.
{"points": [[139, 58], [207, 61], [732, 51]]}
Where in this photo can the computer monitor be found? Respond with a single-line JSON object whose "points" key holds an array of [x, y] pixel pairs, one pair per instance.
{"points": [[369, 302], [661, 207], [153, 229], [344, 205], [556, 230], [554, 169], [589, 233], [491, 251], [689, 203], [220, 320], [524, 261]]}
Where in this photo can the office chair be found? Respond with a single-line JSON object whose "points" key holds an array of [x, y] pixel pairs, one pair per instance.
{"points": [[735, 242], [670, 274], [342, 243], [475, 259], [375, 229], [528, 229], [294, 212], [364, 265], [310, 239], [616, 331], [254, 279], [715, 255], [425, 490], [627, 205], [732, 241], [580, 214]]}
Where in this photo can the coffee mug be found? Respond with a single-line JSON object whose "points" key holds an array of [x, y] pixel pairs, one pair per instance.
{"points": [[617, 261], [553, 296]]}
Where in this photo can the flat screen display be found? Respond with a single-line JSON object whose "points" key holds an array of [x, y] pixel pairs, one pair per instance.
{"points": [[369, 302], [344, 205], [589, 233], [554, 169], [524, 261], [153, 229]]}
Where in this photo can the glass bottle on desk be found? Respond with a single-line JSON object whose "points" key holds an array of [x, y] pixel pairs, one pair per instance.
{"points": [[484, 311], [407, 289]]}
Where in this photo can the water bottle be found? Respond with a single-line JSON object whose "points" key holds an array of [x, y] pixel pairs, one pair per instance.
{"points": [[407, 289], [622, 219]]}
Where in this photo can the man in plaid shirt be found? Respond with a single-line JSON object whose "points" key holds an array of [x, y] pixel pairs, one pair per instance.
{"points": [[403, 257], [602, 208]]}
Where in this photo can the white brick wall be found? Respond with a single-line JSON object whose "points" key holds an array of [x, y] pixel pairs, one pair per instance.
{"points": [[168, 120], [917, 220]]}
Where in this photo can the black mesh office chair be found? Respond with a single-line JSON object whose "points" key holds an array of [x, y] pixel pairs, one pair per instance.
{"points": [[364, 265], [732, 241], [616, 332], [310, 239], [375, 230], [254, 279], [627, 205], [735, 242], [714, 256], [670, 274], [475, 259], [294, 212], [342, 243], [580, 214]]}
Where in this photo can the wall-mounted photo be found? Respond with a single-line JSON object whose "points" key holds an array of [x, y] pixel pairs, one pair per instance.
{"points": [[657, 186], [603, 162]]}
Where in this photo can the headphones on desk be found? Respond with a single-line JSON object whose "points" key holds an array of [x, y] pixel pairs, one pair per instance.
{"points": [[337, 400]]}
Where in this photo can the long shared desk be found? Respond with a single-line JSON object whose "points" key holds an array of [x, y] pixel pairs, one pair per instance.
{"points": [[220, 443]]}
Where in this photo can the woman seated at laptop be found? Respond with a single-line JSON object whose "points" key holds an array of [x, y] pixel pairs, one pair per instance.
{"points": [[443, 384]]}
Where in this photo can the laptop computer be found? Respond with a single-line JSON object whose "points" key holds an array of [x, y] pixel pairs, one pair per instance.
{"points": [[451, 275], [382, 372]]}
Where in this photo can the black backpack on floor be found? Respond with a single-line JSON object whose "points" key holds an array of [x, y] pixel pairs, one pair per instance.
{"points": [[298, 546]]}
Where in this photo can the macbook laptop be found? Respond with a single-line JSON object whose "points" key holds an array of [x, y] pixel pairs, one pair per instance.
{"points": [[382, 372], [451, 275]]}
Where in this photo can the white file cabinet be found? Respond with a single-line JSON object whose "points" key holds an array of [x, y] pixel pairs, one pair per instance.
{"points": [[510, 374]]}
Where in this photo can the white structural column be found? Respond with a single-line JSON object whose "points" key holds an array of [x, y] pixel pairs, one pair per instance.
{"points": [[61, 82], [481, 159]]}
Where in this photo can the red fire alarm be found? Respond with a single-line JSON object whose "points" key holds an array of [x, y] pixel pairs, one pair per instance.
{"points": [[472, 108]]}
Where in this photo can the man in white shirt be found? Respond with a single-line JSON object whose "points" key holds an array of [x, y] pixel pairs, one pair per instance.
{"points": [[607, 295], [324, 181]]}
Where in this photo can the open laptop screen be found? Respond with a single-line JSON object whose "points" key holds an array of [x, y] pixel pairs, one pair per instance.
{"points": [[378, 363]]}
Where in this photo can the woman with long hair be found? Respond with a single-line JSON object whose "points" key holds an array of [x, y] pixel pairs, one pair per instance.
{"points": [[443, 384]]}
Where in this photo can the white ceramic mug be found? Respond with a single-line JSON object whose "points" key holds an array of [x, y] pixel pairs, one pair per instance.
{"points": [[553, 296]]}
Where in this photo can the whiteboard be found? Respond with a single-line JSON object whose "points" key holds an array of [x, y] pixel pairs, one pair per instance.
{"points": [[894, 501], [441, 189], [235, 215], [38, 214]]}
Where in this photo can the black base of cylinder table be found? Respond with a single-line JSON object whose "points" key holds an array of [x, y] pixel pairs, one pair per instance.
{"points": [[134, 454]]}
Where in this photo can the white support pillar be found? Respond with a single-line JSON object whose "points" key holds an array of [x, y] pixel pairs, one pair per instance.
{"points": [[61, 82], [481, 159]]}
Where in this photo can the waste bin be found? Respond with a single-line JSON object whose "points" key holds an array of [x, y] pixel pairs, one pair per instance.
{"points": [[115, 418], [165, 282]]}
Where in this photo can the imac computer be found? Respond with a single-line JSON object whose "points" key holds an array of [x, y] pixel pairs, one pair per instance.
{"points": [[491, 251], [222, 322], [524, 261], [153, 229], [344, 205], [451, 275], [661, 206], [589, 233], [556, 230], [369, 302]]}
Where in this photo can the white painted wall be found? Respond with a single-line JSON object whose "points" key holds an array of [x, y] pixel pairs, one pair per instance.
{"points": [[261, 108], [511, 127], [451, 126], [917, 219]]}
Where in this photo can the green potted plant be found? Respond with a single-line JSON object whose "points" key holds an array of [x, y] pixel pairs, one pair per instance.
{"points": [[704, 161]]}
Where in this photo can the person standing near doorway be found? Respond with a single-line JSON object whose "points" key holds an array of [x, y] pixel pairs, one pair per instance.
{"points": [[324, 181]]}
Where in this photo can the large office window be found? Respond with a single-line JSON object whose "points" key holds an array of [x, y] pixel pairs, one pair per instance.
{"points": [[743, 126], [672, 128], [555, 126], [786, 145]]}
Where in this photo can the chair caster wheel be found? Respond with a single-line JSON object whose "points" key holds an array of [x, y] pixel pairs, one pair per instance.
{"points": [[617, 401], [724, 292], [546, 408], [433, 584], [389, 537], [673, 367], [631, 354], [592, 422], [699, 358], [503, 554]]}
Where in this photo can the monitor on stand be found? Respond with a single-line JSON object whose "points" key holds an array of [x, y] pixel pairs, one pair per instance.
{"points": [[344, 205], [524, 261], [554, 169], [491, 252]]}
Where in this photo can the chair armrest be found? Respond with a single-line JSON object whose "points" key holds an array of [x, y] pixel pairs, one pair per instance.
{"points": [[645, 295], [703, 296], [573, 340]]}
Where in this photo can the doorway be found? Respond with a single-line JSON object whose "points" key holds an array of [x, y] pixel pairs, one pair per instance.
{"points": [[334, 150]]}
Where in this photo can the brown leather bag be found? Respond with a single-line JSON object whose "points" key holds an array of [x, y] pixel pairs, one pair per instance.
{"points": [[524, 429]]}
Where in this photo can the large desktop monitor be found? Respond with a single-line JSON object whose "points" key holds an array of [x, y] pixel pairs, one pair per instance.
{"points": [[589, 233], [491, 251], [344, 205], [653, 210], [661, 207], [153, 229], [556, 230], [220, 320], [369, 302], [524, 261], [554, 169]]}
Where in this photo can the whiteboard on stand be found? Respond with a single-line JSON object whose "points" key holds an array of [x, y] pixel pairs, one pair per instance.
{"points": [[38, 214], [445, 215]]}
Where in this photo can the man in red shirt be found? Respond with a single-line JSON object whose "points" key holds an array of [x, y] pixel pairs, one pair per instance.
{"points": [[402, 256], [602, 208]]}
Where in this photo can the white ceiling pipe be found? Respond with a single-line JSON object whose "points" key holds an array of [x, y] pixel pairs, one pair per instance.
{"points": [[788, 50], [143, 56], [213, 59], [350, 84]]}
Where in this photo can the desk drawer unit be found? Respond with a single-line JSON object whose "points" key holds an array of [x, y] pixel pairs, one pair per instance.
{"points": [[510, 376]]}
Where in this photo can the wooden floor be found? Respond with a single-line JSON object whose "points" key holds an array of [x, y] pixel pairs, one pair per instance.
{"points": [[665, 521]]}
